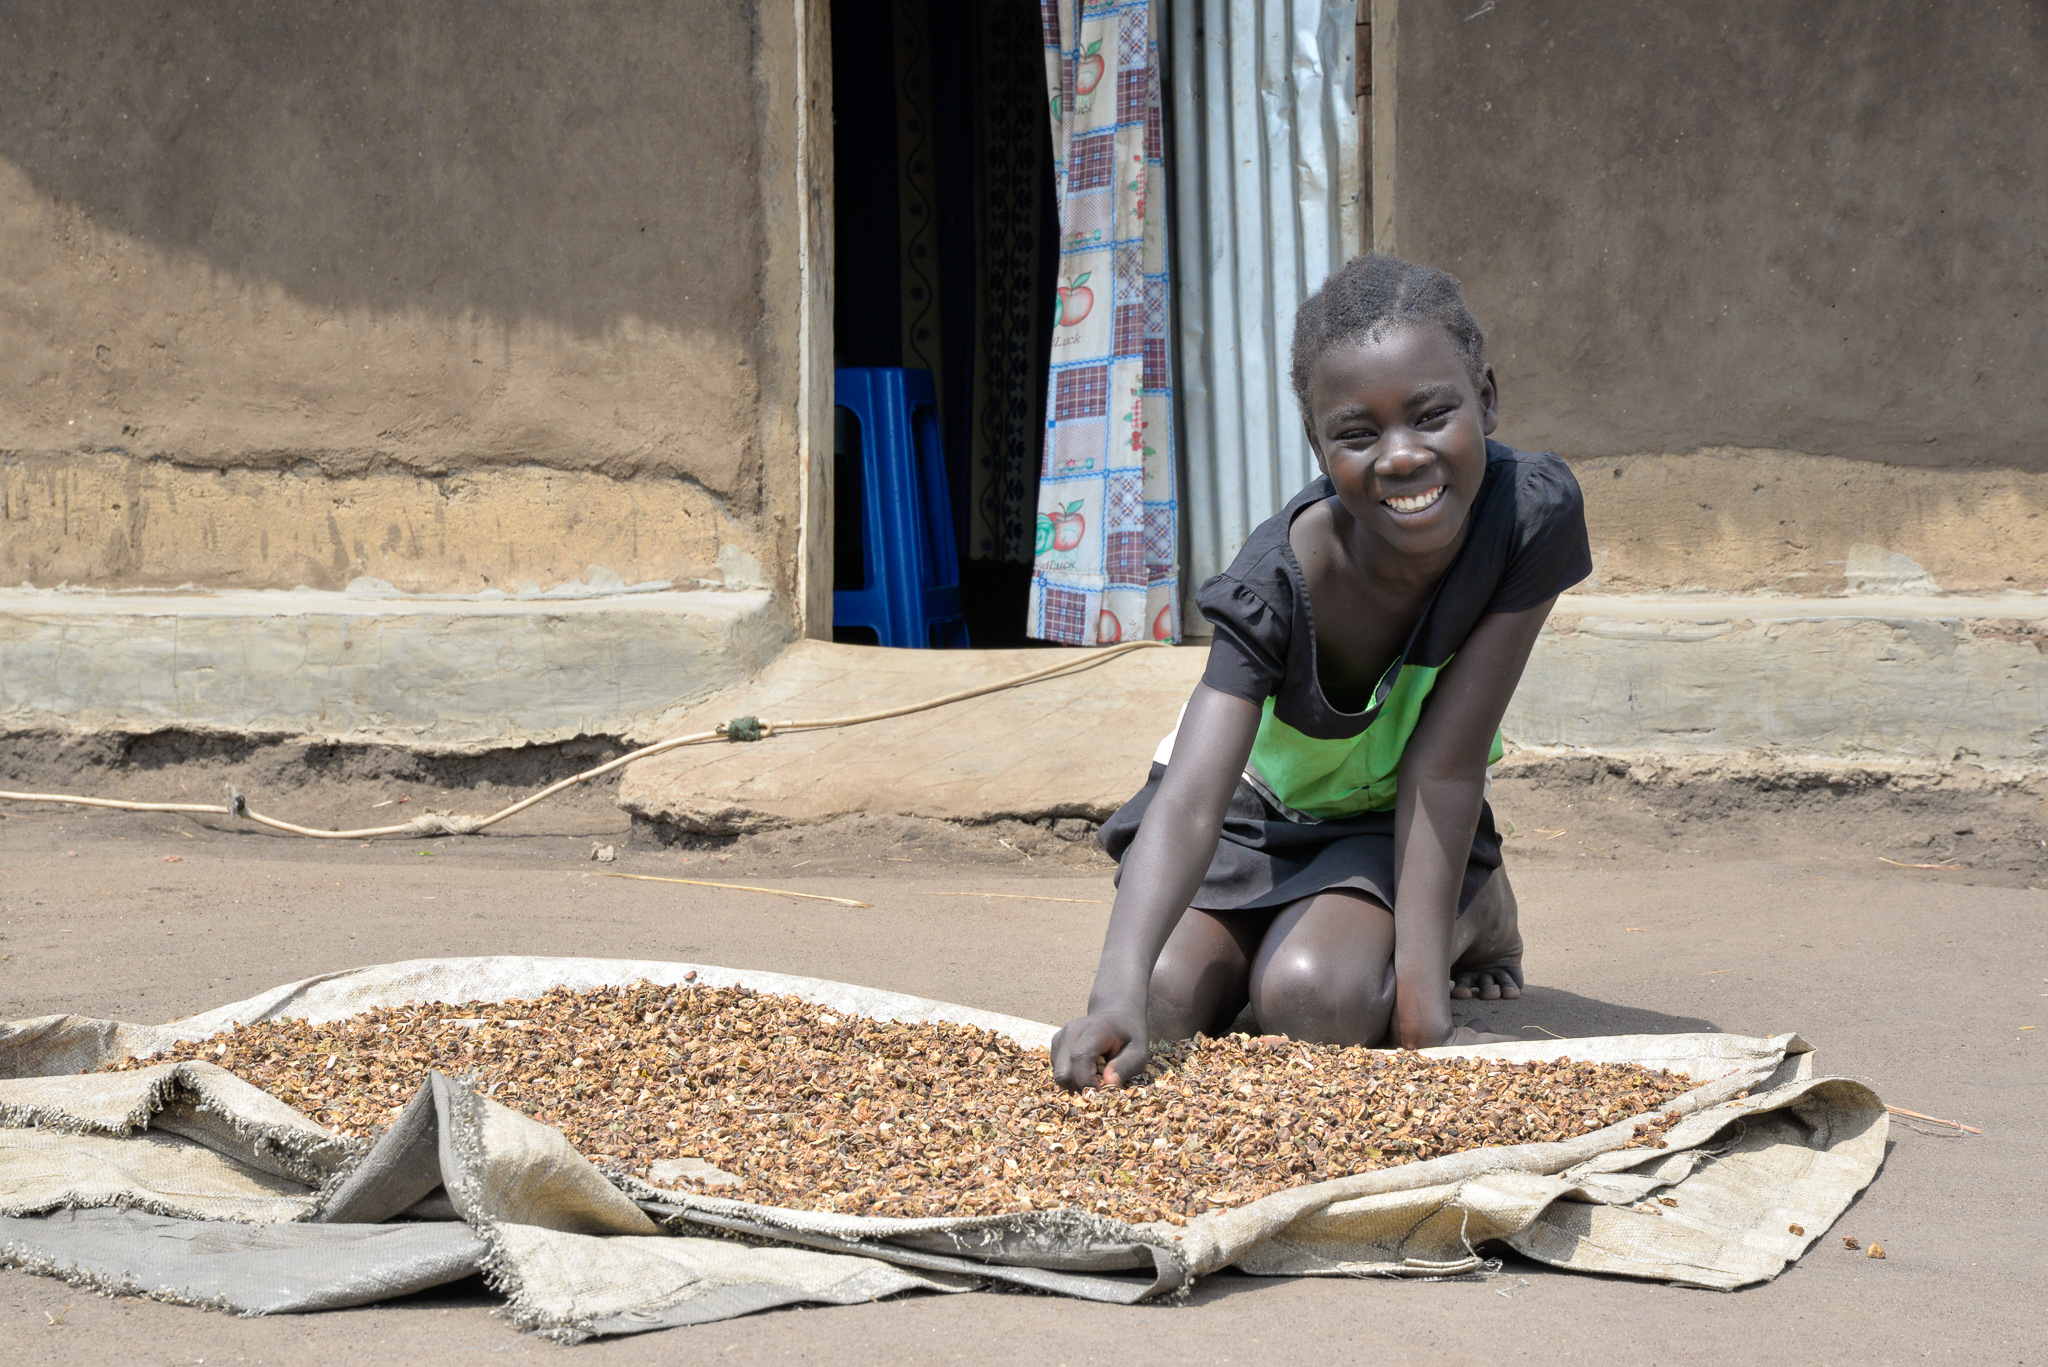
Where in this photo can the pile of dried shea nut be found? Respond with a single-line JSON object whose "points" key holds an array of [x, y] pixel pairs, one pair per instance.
{"points": [[821, 1111]]}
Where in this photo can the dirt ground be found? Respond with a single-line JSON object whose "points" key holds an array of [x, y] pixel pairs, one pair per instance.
{"points": [[1753, 907]]}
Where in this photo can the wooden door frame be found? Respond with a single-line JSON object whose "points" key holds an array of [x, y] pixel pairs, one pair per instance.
{"points": [[812, 29]]}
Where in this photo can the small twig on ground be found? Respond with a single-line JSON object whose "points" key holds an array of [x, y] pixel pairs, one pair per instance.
{"points": [[1933, 1119], [1897, 865], [739, 887], [1545, 1029], [58, 1318]]}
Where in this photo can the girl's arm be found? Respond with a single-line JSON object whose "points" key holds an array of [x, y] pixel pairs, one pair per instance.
{"points": [[1443, 781], [1162, 870]]}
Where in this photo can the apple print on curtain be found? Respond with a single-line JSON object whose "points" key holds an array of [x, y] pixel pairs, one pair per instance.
{"points": [[1105, 566]]}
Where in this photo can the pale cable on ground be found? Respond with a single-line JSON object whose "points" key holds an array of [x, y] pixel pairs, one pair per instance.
{"points": [[436, 823]]}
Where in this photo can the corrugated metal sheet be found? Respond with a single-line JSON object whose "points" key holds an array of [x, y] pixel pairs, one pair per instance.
{"points": [[1266, 170]]}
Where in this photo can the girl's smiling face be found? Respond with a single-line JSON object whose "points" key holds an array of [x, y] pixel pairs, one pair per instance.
{"points": [[1400, 429]]}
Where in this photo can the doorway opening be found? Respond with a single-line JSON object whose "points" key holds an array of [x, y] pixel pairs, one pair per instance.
{"points": [[945, 254]]}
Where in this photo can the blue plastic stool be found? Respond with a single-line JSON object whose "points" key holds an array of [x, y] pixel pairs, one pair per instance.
{"points": [[910, 593]]}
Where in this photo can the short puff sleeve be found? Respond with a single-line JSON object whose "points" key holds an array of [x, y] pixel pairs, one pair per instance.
{"points": [[1249, 654], [1550, 550]]}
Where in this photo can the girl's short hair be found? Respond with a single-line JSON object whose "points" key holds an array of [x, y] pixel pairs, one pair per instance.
{"points": [[1371, 293]]}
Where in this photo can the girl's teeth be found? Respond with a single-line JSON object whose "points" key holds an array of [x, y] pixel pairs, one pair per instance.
{"points": [[1415, 503]]}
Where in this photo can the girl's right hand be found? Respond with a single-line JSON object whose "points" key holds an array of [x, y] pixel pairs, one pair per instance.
{"points": [[1162, 870], [1105, 1048]]}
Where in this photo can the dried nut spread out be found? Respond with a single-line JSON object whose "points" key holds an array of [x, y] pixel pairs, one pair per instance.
{"points": [[815, 1110]]}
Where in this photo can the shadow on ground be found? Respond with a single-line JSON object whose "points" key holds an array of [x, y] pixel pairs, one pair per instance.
{"points": [[1571, 1016], [1564, 1015]]}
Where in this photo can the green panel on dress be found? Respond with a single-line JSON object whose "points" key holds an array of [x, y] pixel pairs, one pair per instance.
{"points": [[1358, 773]]}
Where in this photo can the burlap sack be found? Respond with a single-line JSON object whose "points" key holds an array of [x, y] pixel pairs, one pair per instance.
{"points": [[178, 1181]]}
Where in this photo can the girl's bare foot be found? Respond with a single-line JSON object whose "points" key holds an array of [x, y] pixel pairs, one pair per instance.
{"points": [[1492, 982], [1489, 964]]}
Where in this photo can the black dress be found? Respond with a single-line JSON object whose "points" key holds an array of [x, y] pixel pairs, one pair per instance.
{"points": [[1315, 808]]}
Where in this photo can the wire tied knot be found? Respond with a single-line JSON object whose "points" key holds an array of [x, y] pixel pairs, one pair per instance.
{"points": [[744, 728], [441, 823]]}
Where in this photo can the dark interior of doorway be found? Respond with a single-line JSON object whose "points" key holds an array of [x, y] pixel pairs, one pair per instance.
{"points": [[945, 253]]}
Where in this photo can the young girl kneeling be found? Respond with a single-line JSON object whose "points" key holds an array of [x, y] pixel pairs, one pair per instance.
{"points": [[1314, 839]]}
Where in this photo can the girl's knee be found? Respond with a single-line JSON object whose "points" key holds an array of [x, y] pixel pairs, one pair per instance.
{"points": [[1170, 1017], [1194, 984], [1307, 998]]}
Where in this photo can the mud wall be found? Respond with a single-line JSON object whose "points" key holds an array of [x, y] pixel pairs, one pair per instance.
{"points": [[452, 295], [1783, 269]]}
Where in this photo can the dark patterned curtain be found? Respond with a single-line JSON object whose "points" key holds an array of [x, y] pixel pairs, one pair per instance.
{"points": [[1011, 314], [917, 195], [946, 239]]}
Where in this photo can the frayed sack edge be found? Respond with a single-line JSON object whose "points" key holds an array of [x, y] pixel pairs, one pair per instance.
{"points": [[311, 1154], [22, 1258]]}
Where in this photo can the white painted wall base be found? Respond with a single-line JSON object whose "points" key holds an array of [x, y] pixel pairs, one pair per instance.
{"points": [[439, 672], [1931, 679]]}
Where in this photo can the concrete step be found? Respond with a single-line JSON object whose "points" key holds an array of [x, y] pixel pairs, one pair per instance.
{"points": [[1077, 745], [441, 672], [1921, 680], [1900, 681]]}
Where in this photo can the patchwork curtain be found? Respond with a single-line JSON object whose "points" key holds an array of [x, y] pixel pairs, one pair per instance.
{"points": [[1105, 567]]}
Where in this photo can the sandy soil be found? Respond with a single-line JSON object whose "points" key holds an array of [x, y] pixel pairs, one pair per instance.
{"points": [[1647, 909]]}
